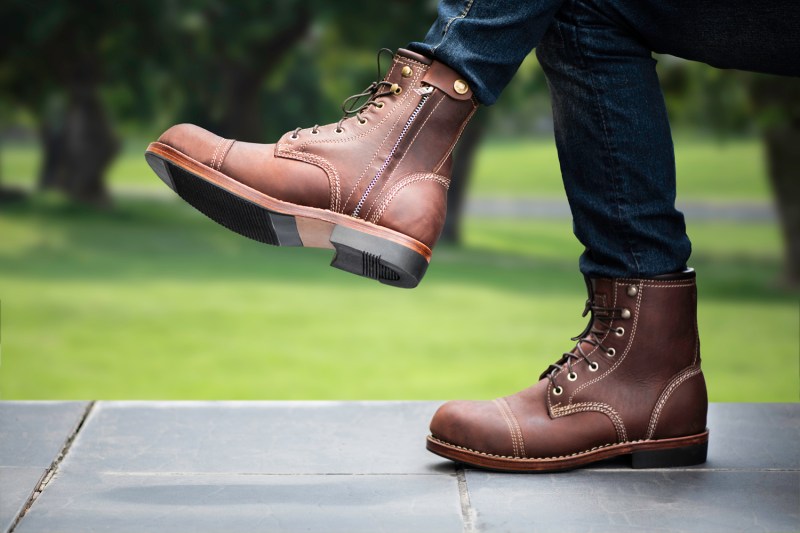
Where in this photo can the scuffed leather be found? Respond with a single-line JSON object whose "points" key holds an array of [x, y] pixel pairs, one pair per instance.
{"points": [[363, 169], [652, 388]]}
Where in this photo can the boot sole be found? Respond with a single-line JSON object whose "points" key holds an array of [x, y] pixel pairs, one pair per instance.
{"points": [[361, 248], [662, 453]]}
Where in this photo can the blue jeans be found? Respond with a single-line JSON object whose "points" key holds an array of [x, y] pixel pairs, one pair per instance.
{"points": [[612, 133]]}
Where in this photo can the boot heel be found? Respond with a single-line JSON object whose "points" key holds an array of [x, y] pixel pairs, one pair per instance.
{"points": [[377, 258], [685, 456]]}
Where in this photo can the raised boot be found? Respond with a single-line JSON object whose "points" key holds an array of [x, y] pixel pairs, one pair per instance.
{"points": [[372, 186], [631, 386]]}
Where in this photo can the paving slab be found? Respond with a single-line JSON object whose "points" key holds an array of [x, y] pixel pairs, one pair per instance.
{"points": [[636, 500], [362, 466], [33, 433], [257, 437], [751, 482], [16, 487], [32, 436], [119, 503]]}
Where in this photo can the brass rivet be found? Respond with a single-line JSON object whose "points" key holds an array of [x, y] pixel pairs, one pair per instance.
{"points": [[633, 290], [406, 72], [626, 313], [460, 86]]}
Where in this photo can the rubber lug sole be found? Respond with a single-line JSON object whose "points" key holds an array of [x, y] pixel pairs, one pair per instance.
{"points": [[357, 252], [662, 453]]}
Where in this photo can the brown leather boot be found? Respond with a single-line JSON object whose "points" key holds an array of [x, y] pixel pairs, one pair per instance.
{"points": [[373, 186], [631, 386]]}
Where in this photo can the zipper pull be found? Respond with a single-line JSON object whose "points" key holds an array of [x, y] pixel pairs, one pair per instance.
{"points": [[428, 89]]}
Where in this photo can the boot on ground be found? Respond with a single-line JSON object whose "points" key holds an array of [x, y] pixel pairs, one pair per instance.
{"points": [[632, 386]]}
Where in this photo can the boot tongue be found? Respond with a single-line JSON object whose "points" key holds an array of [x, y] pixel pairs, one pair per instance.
{"points": [[408, 54]]}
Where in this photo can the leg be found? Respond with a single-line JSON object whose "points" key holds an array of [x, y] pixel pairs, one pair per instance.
{"points": [[486, 40], [612, 132], [614, 146]]}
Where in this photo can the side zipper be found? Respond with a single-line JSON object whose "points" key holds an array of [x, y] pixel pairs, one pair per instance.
{"points": [[409, 122]]}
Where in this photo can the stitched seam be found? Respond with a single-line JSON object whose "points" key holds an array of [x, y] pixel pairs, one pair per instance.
{"points": [[514, 444], [407, 149], [613, 166], [513, 418], [458, 137], [407, 101], [662, 400], [606, 409], [463, 14], [330, 170], [399, 186], [533, 459], [630, 340], [224, 153], [216, 149]]}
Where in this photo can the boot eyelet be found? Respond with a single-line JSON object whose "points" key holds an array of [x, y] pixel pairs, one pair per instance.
{"points": [[379, 105], [362, 121], [593, 366], [626, 313], [572, 376], [633, 290], [406, 72], [339, 130], [314, 132], [611, 352], [558, 390], [619, 332], [396, 89], [294, 137]]}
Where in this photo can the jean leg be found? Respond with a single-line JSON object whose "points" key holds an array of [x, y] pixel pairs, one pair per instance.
{"points": [[486, 40], [614, 146]]}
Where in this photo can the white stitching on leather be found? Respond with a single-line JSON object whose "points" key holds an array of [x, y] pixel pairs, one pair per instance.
{"points": [[387, 180], [324, 164], [514, 444], [458, 137], [665, 395], [402, 184], [516, 426], [224, 153], [630, 339], [216, 149], [604, 408]]}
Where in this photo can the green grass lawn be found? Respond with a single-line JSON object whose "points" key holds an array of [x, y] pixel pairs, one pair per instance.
{"points": [[707, 169], [152, 300]]}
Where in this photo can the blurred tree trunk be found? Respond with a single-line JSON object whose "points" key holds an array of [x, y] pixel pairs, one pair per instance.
{"points": [[244, 80], [463, 164], [79, 144], [778, 101]]}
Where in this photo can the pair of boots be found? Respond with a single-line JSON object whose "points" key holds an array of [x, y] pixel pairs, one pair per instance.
{"points": [[373, 187]]}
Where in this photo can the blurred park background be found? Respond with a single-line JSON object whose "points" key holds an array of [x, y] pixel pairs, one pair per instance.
{"points": [[112, 288]]}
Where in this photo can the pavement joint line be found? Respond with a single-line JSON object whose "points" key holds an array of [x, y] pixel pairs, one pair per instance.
{"points": [[53, 468], [468, 514], [265, 474]]}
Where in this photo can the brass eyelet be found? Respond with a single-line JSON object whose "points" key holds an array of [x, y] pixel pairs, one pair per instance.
{"points": [[406, 72], [593, 366], [558, 390], [362, 120], [338, 130], [379, 105], [572, 376], [611, 352], [619, 332], [294, 137], [396, 89]]}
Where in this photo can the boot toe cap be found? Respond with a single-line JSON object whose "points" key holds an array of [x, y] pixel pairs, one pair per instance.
{"points": [[475, 425], [193, 141]]}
